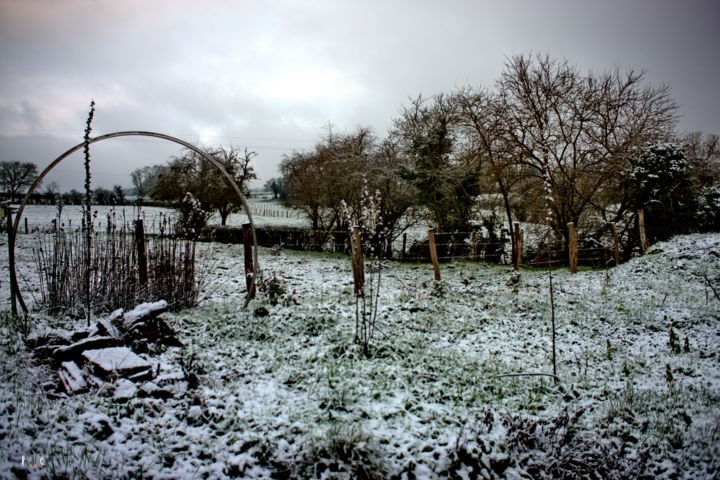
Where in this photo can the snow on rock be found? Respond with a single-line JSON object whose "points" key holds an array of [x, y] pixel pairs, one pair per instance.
{"points": [[124, 390], [72, 378], [90, 343], [152, 389], [144, 330], [143, 312], [105, 327], [118, 360]]}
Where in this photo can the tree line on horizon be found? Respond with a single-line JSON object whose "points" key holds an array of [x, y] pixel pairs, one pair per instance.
{"points": [[546, 144]]}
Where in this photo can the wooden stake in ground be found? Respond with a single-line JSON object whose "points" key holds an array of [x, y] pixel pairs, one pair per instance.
{"points": [[473, 242], [249, 269], [518, 246], [641, 226], [433, 254], [616, 244], [572, 247], [11, 260], [358, 263], [142, 257]]}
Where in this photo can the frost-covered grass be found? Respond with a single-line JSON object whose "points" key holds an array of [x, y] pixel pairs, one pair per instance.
{"points": [[289, 395]]}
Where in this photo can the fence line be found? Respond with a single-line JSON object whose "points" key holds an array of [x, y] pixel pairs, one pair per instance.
{"points": [[415, 245]]}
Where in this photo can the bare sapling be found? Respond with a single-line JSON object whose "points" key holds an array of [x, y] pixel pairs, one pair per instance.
{"points": [[367, 290], [549, 201]]}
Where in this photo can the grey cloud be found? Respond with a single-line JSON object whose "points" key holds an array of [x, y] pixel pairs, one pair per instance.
{"points": [[270, 75]]}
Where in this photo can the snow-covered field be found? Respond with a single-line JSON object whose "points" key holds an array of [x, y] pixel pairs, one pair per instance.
{"points": [[285, 393], [40, 217]]}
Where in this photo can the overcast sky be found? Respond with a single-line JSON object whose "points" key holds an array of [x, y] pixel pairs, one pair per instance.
{"points": [[271, 75]]}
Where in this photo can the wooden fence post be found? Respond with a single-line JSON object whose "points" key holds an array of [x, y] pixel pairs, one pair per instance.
{"points": [[572, 247], [26, 226], [518, 246], [358, 263], [247, 253], [433, 253], [142, 256], [641, 226], [403, 245], [11, 262], [616, 244], [473, 241]]}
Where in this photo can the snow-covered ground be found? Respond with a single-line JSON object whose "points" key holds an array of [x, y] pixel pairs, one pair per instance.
{"points": [[40, 217], [285, 392]]}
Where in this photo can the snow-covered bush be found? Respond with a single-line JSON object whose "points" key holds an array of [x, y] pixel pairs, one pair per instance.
{"points": [[658, 179], [192, 219], [709, 209]]}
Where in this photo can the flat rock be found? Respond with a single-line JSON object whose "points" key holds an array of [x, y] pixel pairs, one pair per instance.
{"points": [[72, 378], [144, 311], [97, 424], [78, 335], [52, 338], [155, 330], [170, 378], [119, 360], [74, 350], [174, 382]]}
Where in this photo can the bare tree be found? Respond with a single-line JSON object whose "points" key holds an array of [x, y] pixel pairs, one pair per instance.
{"points": [[574, 132], [16, 177], [195, 174], [217, 192], [330, 182], [303, 172], [481, 118], [442, 169], [277, 187], [52, 192], [143, 179]]}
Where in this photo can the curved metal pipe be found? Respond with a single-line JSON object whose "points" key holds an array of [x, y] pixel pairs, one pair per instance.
{"points": [[134, 133]]}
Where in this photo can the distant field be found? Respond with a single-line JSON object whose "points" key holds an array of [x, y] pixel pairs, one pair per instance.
{"points": [[40, 217]]}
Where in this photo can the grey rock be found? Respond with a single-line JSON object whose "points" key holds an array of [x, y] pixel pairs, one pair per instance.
{"points": [[116, 360], [72, 378], [74, 350]]}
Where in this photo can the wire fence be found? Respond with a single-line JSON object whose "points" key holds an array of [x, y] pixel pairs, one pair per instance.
{"points": [[273, 210], [412, 246], [454, 246]]}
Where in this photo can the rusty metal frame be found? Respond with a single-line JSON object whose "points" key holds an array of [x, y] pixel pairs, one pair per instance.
{"points": [[134, 133]]}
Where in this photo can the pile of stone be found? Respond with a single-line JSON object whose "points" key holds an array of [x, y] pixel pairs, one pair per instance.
{"points": [[106, 354]]}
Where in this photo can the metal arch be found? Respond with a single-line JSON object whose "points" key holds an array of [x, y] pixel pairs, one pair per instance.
{"points": [[134, 133]]}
